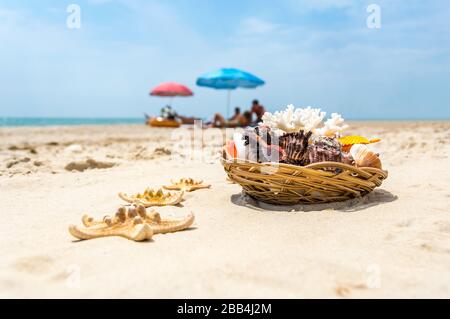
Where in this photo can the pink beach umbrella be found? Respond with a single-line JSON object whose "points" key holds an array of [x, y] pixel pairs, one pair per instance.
{"points": [[171, 89]]}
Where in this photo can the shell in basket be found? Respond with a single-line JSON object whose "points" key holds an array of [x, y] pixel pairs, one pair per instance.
{"points": [[348, 141], [285, 184], [364, 157], [296, 146], [323, 149]]}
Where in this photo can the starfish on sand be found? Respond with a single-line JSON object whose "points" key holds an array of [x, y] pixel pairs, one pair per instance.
{"points": [[132, 222], [187, 185], [152, 197]]}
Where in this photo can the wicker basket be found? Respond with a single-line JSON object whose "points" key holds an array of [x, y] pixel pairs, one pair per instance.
{"points": [[285, 184]]}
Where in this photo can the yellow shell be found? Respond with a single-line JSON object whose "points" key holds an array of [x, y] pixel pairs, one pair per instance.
{"points": [[347, 140], [364, 157], [351, 140]]}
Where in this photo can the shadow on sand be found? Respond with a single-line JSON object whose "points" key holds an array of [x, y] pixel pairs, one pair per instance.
{"points": [[375, 198]]}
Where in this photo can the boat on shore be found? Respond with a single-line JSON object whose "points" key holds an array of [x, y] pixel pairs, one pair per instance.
{"points": [[162, 122]]}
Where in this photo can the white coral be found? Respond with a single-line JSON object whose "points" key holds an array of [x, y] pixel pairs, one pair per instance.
{"points": [[293, 120], [308, 119], [333, 127]]}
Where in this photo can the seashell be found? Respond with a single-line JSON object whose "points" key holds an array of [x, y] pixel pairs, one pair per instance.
{"points": [[364, 157], [258, 144], [239, 145], [324, 149], [348, 141], [231, 150], [296, 147], [276, 154], [347, 158]]}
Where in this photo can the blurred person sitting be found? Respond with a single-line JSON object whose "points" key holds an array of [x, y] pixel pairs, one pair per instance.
{"points": [[168, 113], [258, 110], [237, 120], [237, 114]]}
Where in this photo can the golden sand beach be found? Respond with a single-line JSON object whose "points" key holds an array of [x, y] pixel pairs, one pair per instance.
{"points": [[395, 242]]}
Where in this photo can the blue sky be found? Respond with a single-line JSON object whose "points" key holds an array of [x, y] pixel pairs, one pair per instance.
{"points": [[309, 52]]}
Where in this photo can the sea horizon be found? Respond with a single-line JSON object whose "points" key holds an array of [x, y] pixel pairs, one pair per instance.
{"points": [[76, 121], [67, 121]]}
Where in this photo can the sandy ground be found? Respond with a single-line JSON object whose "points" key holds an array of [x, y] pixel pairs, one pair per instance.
{"points": [[394, 242]]}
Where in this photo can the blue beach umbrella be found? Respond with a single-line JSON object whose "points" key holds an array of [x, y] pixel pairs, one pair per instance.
{"points": [[229, 79]]}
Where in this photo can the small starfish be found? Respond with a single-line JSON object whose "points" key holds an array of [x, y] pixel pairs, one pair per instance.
{"points": [[152, 197], [187, 184], [133, 223]]}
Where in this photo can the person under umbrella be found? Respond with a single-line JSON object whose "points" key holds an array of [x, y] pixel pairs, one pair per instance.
{"points": [[229, 79], [237, 120], [171, 90]]}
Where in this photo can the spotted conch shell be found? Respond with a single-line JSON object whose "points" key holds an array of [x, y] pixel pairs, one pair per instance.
{"points": [[364, 157]]}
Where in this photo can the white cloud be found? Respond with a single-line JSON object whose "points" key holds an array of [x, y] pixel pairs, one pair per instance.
{"points": [[312, 5], [254, 25]]}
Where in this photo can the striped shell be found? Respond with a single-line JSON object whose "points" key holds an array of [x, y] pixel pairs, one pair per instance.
{"points": [[296, 147], [364, 157]]}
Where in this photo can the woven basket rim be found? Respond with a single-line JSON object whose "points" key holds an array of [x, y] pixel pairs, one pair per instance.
{"points": [[311, 167], [287, 184]]}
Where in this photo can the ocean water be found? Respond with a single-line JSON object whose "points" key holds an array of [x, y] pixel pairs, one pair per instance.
{"points": [[54, 121], [61, 121]]}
